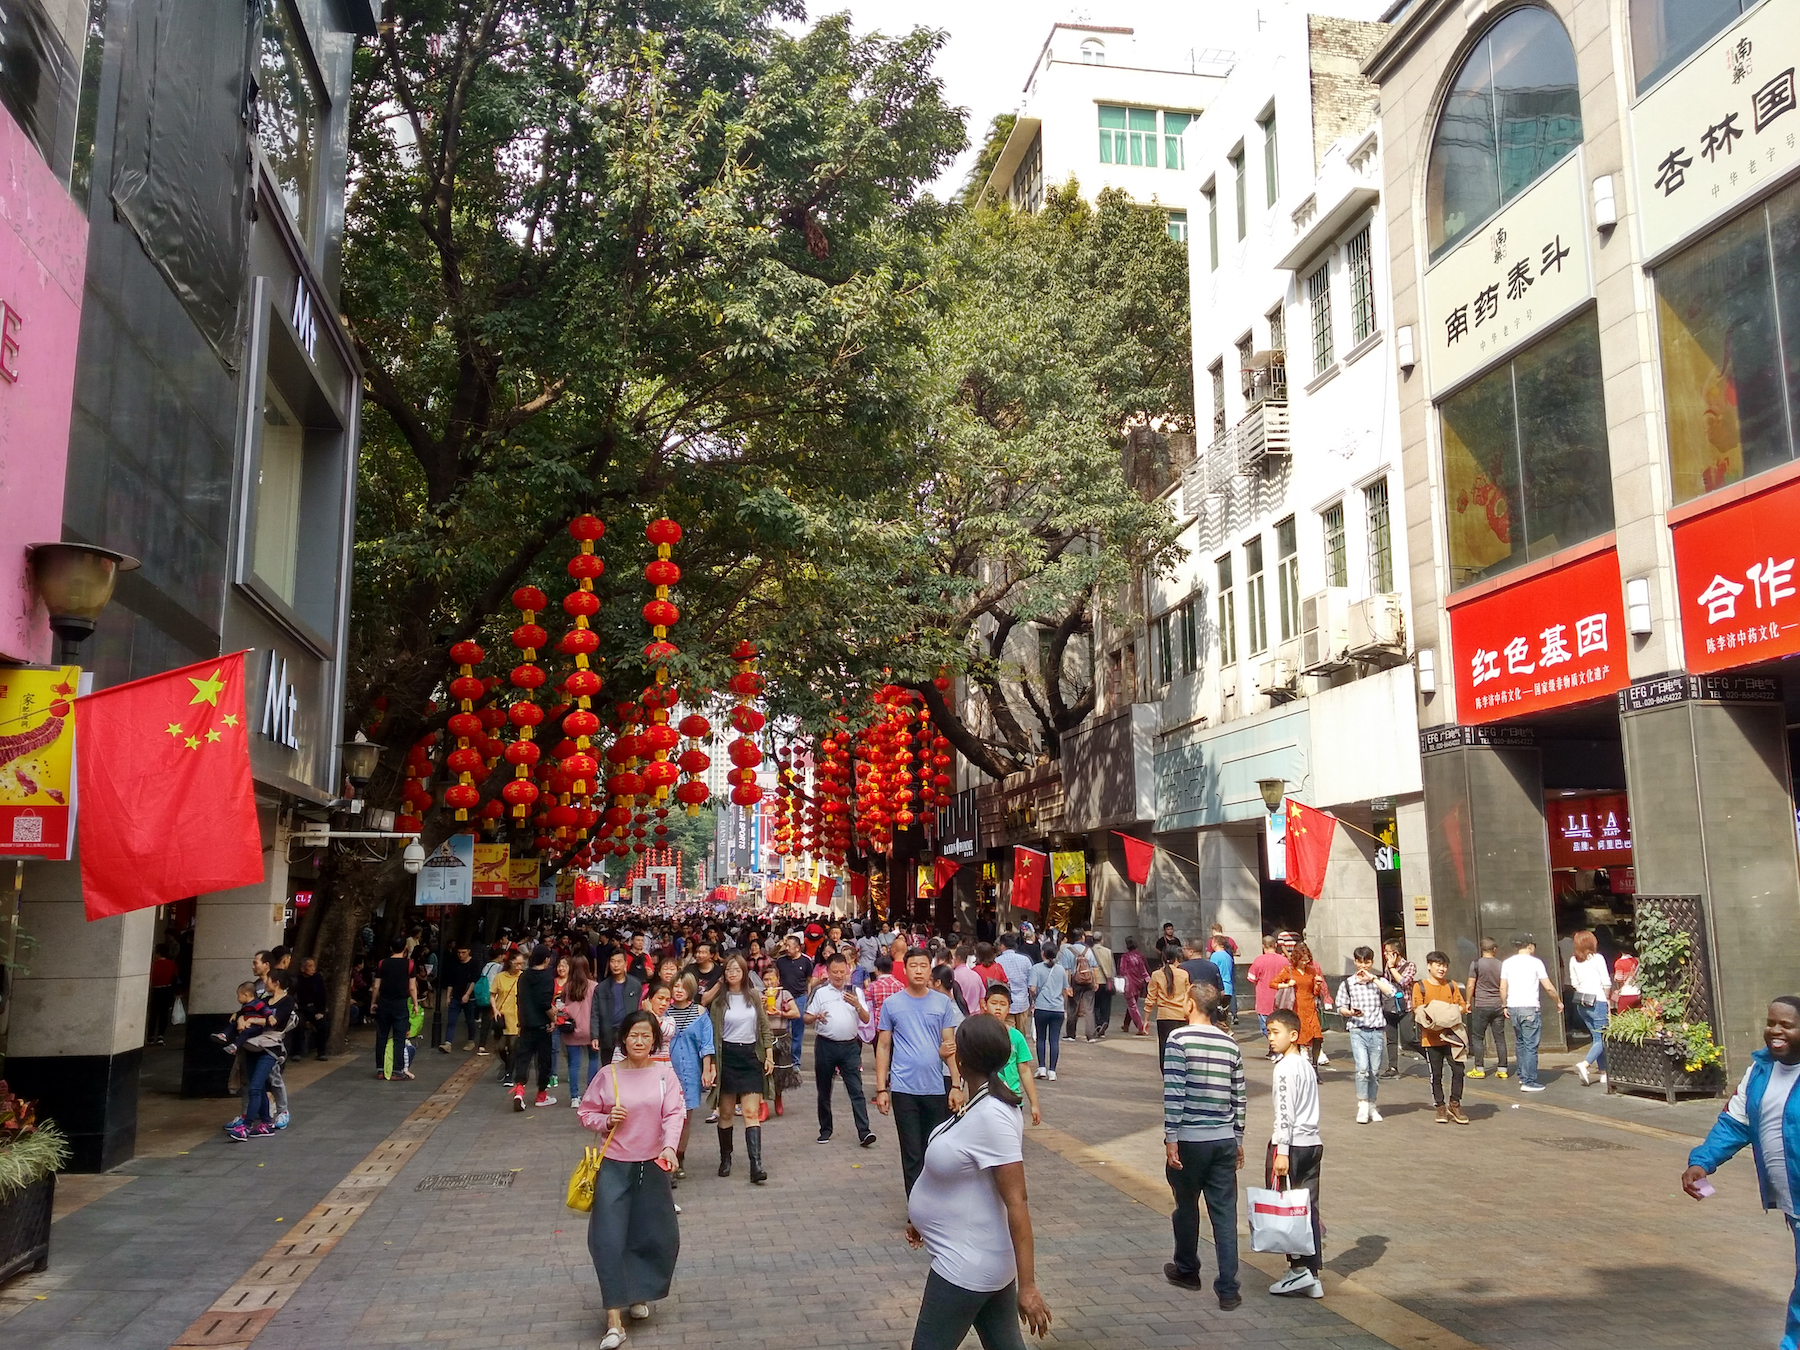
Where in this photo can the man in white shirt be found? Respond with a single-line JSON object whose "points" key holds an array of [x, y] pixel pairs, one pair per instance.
{"points": [[834, 1010], [1017, 966], [1521, 976]]}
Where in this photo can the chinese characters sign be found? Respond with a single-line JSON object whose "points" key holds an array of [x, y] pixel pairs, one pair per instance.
{"points": [[37, 743], [1589, 831], [1509, 281], [1716, 130], [1740, 597], [1547, 642]]}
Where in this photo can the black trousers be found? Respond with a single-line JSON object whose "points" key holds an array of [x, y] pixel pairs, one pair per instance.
{"points": [[843, 1058], [390, 1024], [948, 1312], [1208, 1172], [162, 1003], [532, 1042], [915, 1117], [1438, 1054], [1304, 1161], [1103, 997]]}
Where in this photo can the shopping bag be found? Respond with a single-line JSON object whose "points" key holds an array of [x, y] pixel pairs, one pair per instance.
{"points": [[415, 1025], [1281, 1221], [582, 1179], [177, 1012]]}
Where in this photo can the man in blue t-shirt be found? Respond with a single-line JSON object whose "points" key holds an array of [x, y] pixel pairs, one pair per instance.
{"points": [[914, 1049]]}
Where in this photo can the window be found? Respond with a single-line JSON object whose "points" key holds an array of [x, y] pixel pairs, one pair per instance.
{"points": [[1337, 565], [1381, 538], [1165, 647], [287, 111], [1256, 605], [1217, 371], [1729, 324], [1287, 577], [1513, 111], [1246, 354], [1190, 638], [1359, 263], [1318, 295], [1178, 226], [1271, 176], [1525, 460], [279, 471], [1227, 614], [1028, 179], [1174, 150], [1237, 172], [1093, 52], [1664, 33], [1211, 193], [1278, 329], [1128, 136]]}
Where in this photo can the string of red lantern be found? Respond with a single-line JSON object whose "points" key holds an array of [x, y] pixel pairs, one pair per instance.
{"points": [[744, 753]]}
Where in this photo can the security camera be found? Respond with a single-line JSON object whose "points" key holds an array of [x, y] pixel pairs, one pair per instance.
{"points": [[414, 857]]}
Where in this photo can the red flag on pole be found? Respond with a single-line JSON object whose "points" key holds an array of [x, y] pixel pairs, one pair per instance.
{"points": [[1308, 847], [1028, 878], [1138, 853], [168, 808], [942, 869], [826, 886]]}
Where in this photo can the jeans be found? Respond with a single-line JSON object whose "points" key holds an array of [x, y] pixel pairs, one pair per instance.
{"points": [[256, 1108], [390, 1024], [1208, 1170], [162, 1003], [915, 1117], [948, 1312], [1304, 1167], [533, 1043], [1103, 1001], [1049, 1036], [842, 1058], [1366, 1047], [1480, 1019], [468, 1013], [1596, 1018], [1791, 1340], [584, 1063], [1437, 1054], [797, 1026], [1528, 1026]]}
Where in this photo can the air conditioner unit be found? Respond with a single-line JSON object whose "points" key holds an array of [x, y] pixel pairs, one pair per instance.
{"points": [[1279, 675], [1378, 629], [1228, 693], [1324, 628], [1262, 433]]}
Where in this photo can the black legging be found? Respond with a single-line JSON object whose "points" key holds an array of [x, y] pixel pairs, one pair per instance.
{"points": [[948, 1312], [1437, 1054]]}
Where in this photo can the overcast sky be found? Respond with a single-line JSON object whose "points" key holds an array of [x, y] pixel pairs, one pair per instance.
{"points": [[992, 42]]}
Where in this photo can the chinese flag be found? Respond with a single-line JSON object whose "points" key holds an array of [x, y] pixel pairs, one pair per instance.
{"points": [[1308, 847], [168, 809], [1028, 878], [1138, 854], [942, 869], [826, 886]]}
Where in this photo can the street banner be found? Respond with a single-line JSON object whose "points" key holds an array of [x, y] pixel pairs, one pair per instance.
{"points": [[37, 759], [1275, 827], [927, 884], [1028, 879], [522, 879], [168, 804], [826, 886], [491, 870], [1138, 856], [448, 876], [1068, 873], [942, 869]]}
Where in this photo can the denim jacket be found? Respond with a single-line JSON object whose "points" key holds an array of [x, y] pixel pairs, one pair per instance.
{"points": [[1736, 1126]]}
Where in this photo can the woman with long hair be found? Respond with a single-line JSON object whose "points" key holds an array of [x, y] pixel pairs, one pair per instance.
{"points": [[1593, 986], [1303, 976], [1136, 973], [693, 1055], [506, 1011], [1166, 1001], [633, 1237], [968, 1208], [580, 1038], [746, 1045]]}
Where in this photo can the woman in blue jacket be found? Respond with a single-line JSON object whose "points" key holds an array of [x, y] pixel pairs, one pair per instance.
{"points": [[1765, 1114]]}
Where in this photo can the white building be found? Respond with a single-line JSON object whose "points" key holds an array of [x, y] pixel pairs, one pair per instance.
{"points": [[1099, 109]]}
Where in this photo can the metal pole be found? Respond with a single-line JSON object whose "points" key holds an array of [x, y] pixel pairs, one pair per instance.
{"points": [[438, 990]]}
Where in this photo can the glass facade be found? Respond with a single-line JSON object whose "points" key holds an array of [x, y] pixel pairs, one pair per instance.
{"points": [[1664, 33], [1142, 137], [287, 112], [1256, 612]]}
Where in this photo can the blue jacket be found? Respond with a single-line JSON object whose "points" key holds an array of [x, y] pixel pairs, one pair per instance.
{"points": [[1737, 1126]]}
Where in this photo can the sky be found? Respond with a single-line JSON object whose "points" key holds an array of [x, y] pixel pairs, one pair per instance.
{"points": [[992, 43]]}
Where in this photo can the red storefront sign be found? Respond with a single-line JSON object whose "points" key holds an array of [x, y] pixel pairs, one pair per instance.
{"points": [[1590, 832], [1740, 600], [1555, 639]]}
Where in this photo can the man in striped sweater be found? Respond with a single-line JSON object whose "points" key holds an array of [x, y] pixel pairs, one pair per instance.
{"points": [[1204, 1105]]}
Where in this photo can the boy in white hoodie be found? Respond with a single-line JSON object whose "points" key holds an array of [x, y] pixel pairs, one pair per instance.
{"points": [[1295, 1147]]}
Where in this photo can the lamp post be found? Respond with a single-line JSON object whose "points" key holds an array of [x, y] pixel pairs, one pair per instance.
{"points": [[360, 756], [75, 582], [1272, 789]]}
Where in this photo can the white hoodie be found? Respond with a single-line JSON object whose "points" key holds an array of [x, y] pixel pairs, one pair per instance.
{"points": [[1296, 1093]]}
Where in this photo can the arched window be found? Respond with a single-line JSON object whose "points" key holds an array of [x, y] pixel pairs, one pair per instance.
{"points": [[1093, 52], [1513, 111]]}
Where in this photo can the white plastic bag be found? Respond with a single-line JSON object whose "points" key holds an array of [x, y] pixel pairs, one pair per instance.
{"points": [[1281, 1221], [177, 1012]]}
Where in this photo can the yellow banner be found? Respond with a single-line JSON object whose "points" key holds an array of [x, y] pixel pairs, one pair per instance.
{"points": [[522, 878], [491, 869], [37, 749]]}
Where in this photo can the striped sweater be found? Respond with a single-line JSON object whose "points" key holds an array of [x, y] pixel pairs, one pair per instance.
{"points": [[1204, 1097]]}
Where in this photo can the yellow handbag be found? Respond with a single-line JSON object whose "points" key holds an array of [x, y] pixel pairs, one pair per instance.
{"points": [[587, 1172]]}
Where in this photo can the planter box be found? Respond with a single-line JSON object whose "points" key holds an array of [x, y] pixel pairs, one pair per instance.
{"points": [[25, 1228], [1650, 1067]]}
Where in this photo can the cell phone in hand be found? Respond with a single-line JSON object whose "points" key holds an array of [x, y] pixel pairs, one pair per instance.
{"points": [[1704, 1189], [663, 1163]]}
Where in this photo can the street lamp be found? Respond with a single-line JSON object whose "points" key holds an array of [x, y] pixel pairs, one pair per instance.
{"points": [[360, 758], [1272, 790], [75, 582]]}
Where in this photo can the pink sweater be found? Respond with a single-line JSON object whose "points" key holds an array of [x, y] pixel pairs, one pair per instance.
{"points": [[654, 1108]]}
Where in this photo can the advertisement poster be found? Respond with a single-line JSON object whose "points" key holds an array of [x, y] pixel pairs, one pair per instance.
{"points": [[546, 894], [1592, 831], [521, 879], [37, 749], [927, 882], [1275, 823], [448, 876], [1068, 873], [491, 870]]}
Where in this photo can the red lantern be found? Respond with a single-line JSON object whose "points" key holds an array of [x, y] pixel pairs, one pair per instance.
{"points": [[586, 566], [747, 683], [662, 572], [692, 793], [695, 726], [587, 528], [744, 753], [661, 774], [659, 737], [520, 793], [747, 794], [461, 724], [582, 684], [463, 760], [467, 653], [467, 688], [582, 641], [462, 796], [525, 714], [581, 722], [694, 762], [663, 532], [527, 676], [661, 614], [744, 651], [581, 604], [747, 720], [530, 599]]}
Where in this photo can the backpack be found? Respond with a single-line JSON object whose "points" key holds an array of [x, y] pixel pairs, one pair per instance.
{"points": [[1085, 975]]}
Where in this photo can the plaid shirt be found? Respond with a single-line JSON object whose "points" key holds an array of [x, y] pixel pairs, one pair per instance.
{"points": [[1362, 1001]]}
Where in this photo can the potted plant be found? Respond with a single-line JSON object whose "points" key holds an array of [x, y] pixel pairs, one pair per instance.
{"points": [[30, 1152], [1661, 1045]]}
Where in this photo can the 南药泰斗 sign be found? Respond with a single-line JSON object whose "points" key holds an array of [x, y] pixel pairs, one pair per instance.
{"points": [[448, 876], [1710, 136], [1734, 566], [37, 749], [1510, 281], [492, 870], [1068, 873], [522, 879], [1546, 642]]}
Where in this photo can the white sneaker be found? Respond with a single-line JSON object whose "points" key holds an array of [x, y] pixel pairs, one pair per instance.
{"points": [[1602, 1080], [1582, 1072], [1053, 1075], [1299, 1280], [638, 1311], [1041, 1073], [1374, 1115], [1362, 1113], [1324, 1058]]}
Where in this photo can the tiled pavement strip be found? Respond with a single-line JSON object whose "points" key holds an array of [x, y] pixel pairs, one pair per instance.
{"points": [[1535, 1229]]}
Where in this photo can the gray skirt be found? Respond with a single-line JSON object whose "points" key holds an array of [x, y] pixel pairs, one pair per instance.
{"points": [[633, 1236]]}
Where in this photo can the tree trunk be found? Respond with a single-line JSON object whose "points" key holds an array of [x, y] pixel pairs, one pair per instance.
{"points": [[336, 957]]}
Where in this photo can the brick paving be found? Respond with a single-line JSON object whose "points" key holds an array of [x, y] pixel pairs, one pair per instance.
{"points": [[1558, 1224]]}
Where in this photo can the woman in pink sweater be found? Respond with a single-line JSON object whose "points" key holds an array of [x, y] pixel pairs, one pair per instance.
{"points": [[637, 1105]]}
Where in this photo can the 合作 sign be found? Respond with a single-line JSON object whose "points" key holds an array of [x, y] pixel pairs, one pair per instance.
{"points": [[1734, 566], [1728, 121], [1552, 640]]}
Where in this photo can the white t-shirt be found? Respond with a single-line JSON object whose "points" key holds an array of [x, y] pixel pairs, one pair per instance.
{"points": [[1521, 972], [840, 1017], [955, 1203], [740, 1020], [1590, 976], [1768, 1130]]}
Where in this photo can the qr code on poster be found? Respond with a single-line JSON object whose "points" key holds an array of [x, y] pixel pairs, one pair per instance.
{"points": [[28, 830]]}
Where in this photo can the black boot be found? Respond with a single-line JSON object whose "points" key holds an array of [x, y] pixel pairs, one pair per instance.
{"points": [[753, 1146], [724, 1151]]}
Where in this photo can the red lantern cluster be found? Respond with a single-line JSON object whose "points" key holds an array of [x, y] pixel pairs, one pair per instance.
{"points": [[466, 726], [745, 754], [833, 779], [524, 754], [578, 771], [414, 794], [694, 762]]}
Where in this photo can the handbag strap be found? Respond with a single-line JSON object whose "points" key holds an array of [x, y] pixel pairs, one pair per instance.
{"points": [[615, 1129]]}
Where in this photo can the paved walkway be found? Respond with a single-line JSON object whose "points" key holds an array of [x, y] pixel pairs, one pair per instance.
{"points": [[1555, 1224]]}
